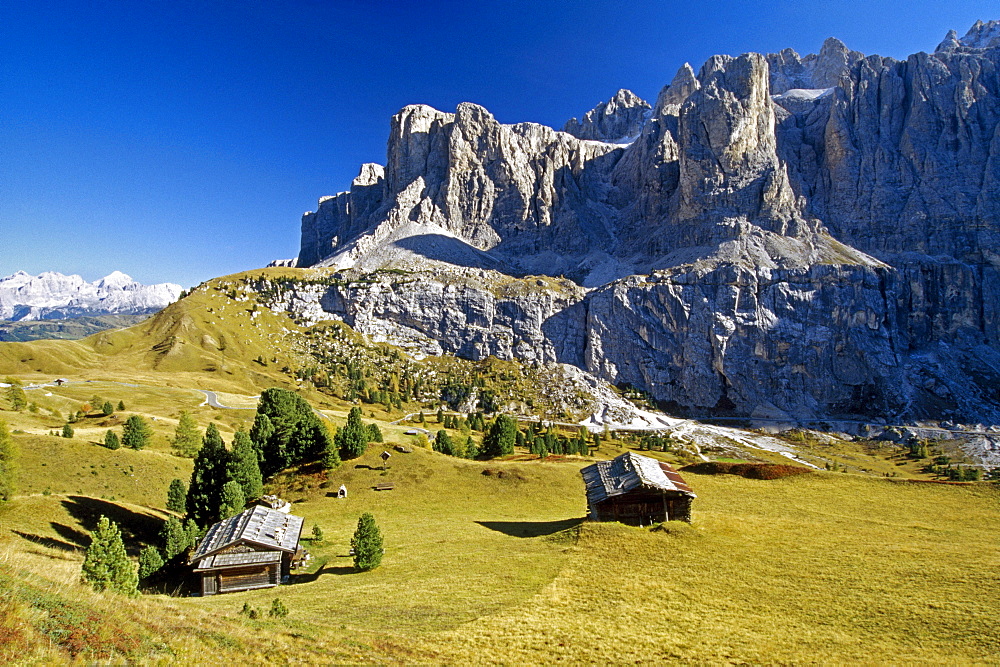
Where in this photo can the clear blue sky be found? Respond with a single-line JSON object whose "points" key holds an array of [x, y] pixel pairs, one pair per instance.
{"points": [[180, 140]]}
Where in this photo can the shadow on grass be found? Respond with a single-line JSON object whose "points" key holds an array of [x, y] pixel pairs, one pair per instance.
{"points": [[530, 528], [308, 578], [136, 527], [49, 542], [72, 535]]}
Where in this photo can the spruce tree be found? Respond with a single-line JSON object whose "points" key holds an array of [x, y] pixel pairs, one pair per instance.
{"points": [[443, 444], [499, 439], [67, 431], [353, 438], [187, 437], [111, 440], [244, 468], [204, 497], [107, 409], [8, 452], [150, 561], [440, 416], [331, 457], [471, 450], [177, 497], [106, 565], [121, 406], [233, 499], [294, 434], [136, 433], [367, 543]]}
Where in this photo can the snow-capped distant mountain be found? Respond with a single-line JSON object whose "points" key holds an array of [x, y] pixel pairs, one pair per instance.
{"points": [[53, 296]]}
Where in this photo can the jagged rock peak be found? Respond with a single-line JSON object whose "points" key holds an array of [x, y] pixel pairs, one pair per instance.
{"points": [[982, 35], [619, 120], [829, 68], [683, 84]]}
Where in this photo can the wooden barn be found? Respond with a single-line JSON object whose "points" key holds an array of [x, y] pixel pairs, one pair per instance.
{"points": [[253, 549], [637, 490]]}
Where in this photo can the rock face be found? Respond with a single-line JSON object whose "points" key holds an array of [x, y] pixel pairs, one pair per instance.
{"points": [[776, 235], [53, 296]]}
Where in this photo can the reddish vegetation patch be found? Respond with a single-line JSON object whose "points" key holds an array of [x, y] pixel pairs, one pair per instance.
{"points": [[748, 470]]}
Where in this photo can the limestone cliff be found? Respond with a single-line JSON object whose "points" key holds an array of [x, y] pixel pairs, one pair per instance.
{"points": [[776, 234]]}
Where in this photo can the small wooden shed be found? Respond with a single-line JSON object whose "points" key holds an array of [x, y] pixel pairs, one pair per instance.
{"points": [[637, 490], [253, 549]]}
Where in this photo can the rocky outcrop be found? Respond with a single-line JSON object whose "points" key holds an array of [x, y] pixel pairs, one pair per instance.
{"points": [[775, 234], [53, 296]]}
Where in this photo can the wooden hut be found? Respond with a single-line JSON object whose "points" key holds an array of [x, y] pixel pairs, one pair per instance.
{"points": [[253, 549], [637, 490]]}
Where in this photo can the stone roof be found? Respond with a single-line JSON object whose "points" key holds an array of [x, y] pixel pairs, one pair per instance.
{"points": [[259, 526], [629, 472]]}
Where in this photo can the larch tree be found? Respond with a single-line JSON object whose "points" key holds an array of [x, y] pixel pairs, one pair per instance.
{"points": [[106, 565], [187, 437]]}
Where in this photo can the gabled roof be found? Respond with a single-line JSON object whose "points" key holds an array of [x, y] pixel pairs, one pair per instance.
{"points": [[259, 526], [629, 472]]}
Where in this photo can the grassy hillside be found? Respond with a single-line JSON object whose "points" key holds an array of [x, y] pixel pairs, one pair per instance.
{"points": [[824, 566]]}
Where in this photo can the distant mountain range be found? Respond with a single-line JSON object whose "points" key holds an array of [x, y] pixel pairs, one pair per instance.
{"points": [[54, 296]]}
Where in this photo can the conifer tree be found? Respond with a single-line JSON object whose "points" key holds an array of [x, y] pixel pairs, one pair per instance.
{"points": [[16, 396], [440, 416], [374, 432], [106, 565], [67, 431], [367, 543], [8, 473], [174, 537], [331, 457], [443, 444], [150, 561], [187, 437], [107, 409], [111, 440], [353, 438], [177, 496], [244, 468], [499, 439], [295, 432], [233, 500], [121, 406], [471, 450], [260, 433], [136, 433], [204, 498]]}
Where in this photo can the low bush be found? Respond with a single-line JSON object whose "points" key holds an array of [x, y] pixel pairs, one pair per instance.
{"points": [[748, 470]]}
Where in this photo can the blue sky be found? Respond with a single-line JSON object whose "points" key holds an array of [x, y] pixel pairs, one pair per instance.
{"points": [[180, 140]]}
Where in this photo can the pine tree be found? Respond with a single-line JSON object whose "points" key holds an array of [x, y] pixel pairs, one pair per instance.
{"points": [[150, 561], [443, 443], [174, 537], [278, 609], [8, 473], [499, 439], [260, 433], [106, 565], [440, 415], [121, 406], [367, 543], [317, 534], [136, 433], [67, 431], [233, 499], [204, 498], [108, 409], [471, 450], [111, 440], [244, 468], [331, 457], [177, 496], [353, 438], [374, 432], [295, 432], [187, 437]]}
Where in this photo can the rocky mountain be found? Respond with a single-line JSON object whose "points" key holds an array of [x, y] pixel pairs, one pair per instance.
{"points": [[776, 236], [52, 296]]}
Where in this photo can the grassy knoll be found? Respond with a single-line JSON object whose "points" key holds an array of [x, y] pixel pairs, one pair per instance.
{"points": [[818, 567]]}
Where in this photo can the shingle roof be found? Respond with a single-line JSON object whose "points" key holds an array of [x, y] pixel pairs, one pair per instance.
{"points": [[259, 525], [628, 472], [231, 560]]}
